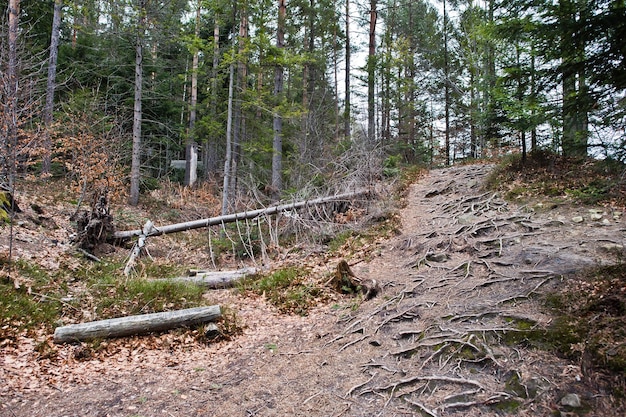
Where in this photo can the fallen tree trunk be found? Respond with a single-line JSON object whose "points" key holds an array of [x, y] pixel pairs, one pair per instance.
{"points": [[133, 325], [216, 279], [231, 218]]}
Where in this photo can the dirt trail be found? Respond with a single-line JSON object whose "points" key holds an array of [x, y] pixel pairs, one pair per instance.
{"points": [[440, 340]]}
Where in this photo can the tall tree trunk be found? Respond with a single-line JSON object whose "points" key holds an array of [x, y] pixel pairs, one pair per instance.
{"points": [[371, 74], [277, 144], [446, 75], [191, 149], [307, 85], [135, 173], [574, 108], [50, 87], [240, 87], [347, 112], [490, 128], [229, 153], [9, 145], [336, 81], [210, 153], [533, 94]]}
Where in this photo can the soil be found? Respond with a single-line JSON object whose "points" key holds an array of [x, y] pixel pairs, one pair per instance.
{"points": [[465, 276]]}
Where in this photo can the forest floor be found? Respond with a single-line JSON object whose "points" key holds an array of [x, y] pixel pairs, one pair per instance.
{"points": [[463, 327]]}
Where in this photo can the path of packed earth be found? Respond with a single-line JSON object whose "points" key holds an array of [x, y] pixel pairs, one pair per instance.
{"points": [[465, 273]]}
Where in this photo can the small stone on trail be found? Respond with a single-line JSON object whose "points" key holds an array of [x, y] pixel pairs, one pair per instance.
{"points": [[437, 257], [578, 219], [571, 400]]}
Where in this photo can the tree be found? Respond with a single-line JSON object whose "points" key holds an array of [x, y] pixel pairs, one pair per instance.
{"points": [[347, 111], [191, 149], [371, 73], [50, 87], [135, 173], [277, 144], [10, 93]]}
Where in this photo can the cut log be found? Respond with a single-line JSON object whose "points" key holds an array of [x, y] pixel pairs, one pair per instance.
{"points": [[216, 279], [134, 325], [230, 218]]}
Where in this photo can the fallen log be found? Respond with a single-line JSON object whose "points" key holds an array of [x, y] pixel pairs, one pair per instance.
{"points": [[231, 218], [216, 279], [134, 325]]}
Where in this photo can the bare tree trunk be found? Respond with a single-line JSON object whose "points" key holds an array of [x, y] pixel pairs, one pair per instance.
{"points": [[239, 88], [346, 114], [210, 153], [50, 87], [446, 81], [135, 173], [277, 144], [229, 152], [371, 74], [191, 150]]}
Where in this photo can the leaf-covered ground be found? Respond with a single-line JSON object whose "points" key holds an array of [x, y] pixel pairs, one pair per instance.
{"points": [[481, 313]]}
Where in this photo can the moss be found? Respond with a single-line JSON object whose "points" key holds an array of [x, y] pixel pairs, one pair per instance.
{"points": [[507, 406]]}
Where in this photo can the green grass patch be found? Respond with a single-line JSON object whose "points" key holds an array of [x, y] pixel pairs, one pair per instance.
{"points": [[37, 301], [286, 289]]}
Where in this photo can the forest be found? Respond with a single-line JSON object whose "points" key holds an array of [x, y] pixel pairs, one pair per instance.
{"points": [[312, 207], [275, 99]]}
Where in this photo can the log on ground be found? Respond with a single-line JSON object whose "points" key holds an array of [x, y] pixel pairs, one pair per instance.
{"points": [[216, 279], [134, 325]]}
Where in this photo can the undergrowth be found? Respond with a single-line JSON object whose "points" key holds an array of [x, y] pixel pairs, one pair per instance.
{"points": [[94, 291], [287, 289], [589, 325], [546, 174]]}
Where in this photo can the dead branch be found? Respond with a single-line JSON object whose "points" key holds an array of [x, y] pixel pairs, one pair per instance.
{"points": [[230, 218]]}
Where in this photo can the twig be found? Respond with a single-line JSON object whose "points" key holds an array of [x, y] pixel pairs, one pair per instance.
{"points": [[421, 407], [354, 342], [409, 313], [88, 255], [354, 388], [312, 396]]}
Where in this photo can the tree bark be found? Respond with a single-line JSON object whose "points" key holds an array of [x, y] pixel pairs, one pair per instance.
{"points": [[133, 325], [135, 173], [371, 74], [277, 143], [347, 113], [191, 150], [216, 279], [446, 73], [230, 218], [229, 152], [50, 86]]}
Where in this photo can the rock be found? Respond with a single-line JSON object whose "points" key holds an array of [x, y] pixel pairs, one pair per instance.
{"points": [[437, 257], [571, 400], [611, 248], [595, 216], [578, 219], [467, 219]]}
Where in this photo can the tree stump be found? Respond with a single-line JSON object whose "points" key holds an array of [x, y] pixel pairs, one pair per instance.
{"points": [[344, 281]]}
